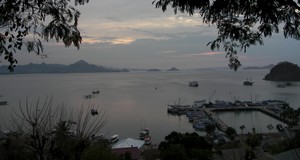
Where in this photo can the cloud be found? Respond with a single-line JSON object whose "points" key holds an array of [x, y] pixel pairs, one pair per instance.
{"points": [[211, 53], [192, 55], [123, 40], [157, 28], [109, 40]]}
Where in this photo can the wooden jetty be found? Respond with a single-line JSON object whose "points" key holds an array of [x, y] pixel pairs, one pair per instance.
{"points": [[222, 126]]}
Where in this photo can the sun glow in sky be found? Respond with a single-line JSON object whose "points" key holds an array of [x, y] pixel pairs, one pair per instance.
{"points": [[133, 33]]}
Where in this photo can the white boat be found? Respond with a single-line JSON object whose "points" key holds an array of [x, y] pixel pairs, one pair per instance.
{"points": [[114, 138], [144, 133], [147, 140]]}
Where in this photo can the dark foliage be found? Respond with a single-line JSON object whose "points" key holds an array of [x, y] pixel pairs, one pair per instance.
{"points": [[284, 71], [26, 23], [185, 146], [231, 132], [240, 23]]}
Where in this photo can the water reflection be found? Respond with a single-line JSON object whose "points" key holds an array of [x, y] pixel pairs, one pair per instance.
{"points": [[250, 119]]}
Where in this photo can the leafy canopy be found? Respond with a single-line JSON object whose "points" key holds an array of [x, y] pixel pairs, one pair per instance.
{"points": [[241, 23], [24, 23]]}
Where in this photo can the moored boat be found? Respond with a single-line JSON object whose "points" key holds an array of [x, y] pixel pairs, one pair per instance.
{"points": [[147, 140], [248, 83], [88, 96], [96, 92], [279, 127], [193, 84], [94, 112], [3, 102], [144, 133], [114, 139]]}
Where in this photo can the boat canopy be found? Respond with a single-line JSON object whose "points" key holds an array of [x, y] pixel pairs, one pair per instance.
{"points": [[128, 142]]}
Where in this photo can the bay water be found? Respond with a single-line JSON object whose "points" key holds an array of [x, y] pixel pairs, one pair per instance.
{"points": [[135, 100]]}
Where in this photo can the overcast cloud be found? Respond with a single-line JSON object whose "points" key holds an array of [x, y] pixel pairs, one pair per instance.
{"points": [[133, 33]]}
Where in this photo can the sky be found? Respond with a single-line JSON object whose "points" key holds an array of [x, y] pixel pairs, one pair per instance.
{"points": [[135, 34]]}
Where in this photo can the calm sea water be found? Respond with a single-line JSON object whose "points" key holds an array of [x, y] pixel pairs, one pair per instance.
{"points": [[131, 101]]}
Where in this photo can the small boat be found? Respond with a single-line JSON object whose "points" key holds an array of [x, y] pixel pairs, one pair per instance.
{"points": [[114, 139], [96, 92], [147, 140], [193, 84], [88, 96], [94, 112], [3, 102], [279, 127], [144, 133], [248, 83]]}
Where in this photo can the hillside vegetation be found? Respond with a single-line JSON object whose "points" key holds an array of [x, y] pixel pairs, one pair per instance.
{"points": [[284, 71]]}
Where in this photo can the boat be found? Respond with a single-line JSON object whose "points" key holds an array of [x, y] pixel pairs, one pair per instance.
{"points": [[96, 92], [248, 83], [147, 140], [94, 112], [114, 139], [179, 106], [199, 103], [88, 96], [279, 127], [193, 84], [144, 133], [3, 102]]}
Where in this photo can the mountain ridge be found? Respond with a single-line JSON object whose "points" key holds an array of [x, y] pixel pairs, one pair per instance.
{"points": [[80, 66]]}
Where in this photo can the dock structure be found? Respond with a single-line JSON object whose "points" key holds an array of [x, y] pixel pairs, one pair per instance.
{"points": [[219, 123], [222, 126], [272, 108]]}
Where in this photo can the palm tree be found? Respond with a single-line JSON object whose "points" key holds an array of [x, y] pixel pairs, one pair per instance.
{"points": [[242, 127]]}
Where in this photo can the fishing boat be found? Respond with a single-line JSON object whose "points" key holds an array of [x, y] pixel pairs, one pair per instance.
{"points": [[3, 102], [96, 92], [147, 140], [144, 133], [94, 112], [279, 127], [248, 83], [193, 84], [179, 105], [114, 139], [88, 96]]}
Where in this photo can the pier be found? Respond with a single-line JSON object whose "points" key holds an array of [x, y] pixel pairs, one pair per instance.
{"points": [[222, 126], [272, 108]]}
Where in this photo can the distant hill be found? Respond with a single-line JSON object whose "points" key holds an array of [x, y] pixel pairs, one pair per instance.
{"points": [[284, 71], [77, 67], [173, 69], [263, 67]]}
